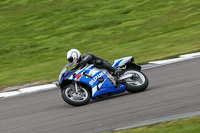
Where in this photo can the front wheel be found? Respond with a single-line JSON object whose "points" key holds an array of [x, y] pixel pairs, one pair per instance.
{"points": [[80, 98], [137, 83]]}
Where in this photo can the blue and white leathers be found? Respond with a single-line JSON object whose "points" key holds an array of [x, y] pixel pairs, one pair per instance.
{"points": [[97, 89]]}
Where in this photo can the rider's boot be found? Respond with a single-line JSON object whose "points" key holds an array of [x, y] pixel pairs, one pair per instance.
{"points": [[117, 73], [112, 79]]}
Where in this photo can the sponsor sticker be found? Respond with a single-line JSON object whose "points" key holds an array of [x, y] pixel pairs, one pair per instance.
{"points": [[95, 78]]}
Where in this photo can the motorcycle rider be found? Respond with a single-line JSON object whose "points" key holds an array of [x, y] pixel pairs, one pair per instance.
{"points": [[74, 56]]}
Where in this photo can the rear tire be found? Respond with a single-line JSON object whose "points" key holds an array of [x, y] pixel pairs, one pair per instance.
{"points": [[137, 84], [69, 96]]}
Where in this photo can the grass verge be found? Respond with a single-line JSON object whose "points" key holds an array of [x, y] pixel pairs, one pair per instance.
{"points": [[190, 125], [35, 35]]}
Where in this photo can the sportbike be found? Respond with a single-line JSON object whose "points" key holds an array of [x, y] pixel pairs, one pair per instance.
{"points": [[91, 83]]}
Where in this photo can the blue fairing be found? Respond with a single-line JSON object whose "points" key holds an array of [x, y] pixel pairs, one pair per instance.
{"points": [[97, 88], [87, 80], [66, 75], [105, 87], [108, 87]]}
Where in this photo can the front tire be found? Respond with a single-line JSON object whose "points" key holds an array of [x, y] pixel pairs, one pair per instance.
{"points": [[79, 99], [139, 82]]}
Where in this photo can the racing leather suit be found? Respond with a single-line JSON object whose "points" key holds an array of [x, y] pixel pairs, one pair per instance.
{"points": [[97, 61]]}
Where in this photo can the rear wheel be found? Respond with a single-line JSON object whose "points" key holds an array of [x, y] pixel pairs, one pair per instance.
{"points": [[137, 83], [80, 98]]}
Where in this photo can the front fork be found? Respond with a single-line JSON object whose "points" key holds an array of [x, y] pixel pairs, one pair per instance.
{"points": [[76, 87]]}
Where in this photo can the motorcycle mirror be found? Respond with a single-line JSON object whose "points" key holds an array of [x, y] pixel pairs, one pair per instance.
{"points": [[100, 80]]}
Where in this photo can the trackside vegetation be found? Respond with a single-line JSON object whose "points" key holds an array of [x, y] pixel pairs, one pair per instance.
{"points": [[36, 34], [190, 125]]}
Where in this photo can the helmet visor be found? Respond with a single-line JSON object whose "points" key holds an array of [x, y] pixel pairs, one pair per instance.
{"points": [[70, 59]]}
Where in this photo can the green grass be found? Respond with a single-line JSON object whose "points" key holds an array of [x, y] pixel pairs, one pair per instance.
{"points": [[35, 35], [190, 125]]}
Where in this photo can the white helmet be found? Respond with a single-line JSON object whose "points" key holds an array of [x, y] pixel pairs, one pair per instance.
{"points": [[73, 55]]}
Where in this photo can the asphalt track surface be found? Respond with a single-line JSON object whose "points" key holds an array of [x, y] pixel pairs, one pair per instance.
{"points": [[173, 89]]}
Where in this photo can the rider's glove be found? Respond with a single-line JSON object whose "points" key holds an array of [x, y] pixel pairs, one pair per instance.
{"points": [[76, 67]]}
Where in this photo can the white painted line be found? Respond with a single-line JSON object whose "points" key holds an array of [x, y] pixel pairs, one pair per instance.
{"points": [[27, 90], [162, 119], [181, 58], [9, 94], [190, 55], [37, 88], [167, 61]]}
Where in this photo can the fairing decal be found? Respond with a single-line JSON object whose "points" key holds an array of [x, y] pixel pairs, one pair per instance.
{"points": [[122, 61], [117, 63], [94, 89]]}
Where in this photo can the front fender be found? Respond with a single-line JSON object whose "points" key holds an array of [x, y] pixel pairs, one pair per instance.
{"points": [[65, 83]]}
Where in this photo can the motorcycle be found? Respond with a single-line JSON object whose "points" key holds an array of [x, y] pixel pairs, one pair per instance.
{"points": [[79, 87]]}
